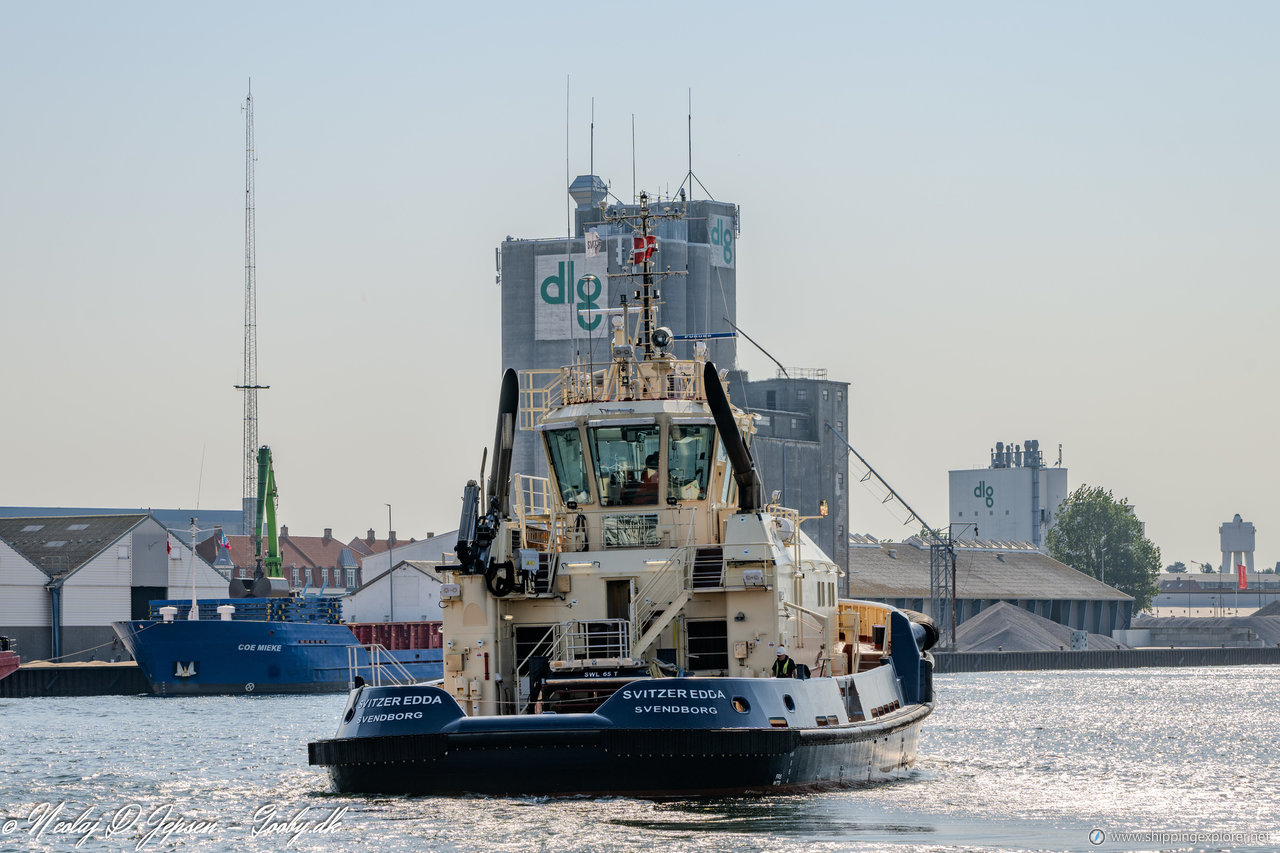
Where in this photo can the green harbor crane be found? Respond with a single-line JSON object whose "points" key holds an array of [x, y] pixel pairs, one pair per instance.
{"points": [[267, 565]]}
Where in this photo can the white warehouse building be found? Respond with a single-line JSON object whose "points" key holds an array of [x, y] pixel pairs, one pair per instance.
{"points": [[65, 579]]}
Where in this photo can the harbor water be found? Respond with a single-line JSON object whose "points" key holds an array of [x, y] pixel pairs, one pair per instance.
{"points": [[1154, 759]]}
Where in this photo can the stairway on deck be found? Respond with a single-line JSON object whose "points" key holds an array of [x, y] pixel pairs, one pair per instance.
{"points": [[708, 567]]}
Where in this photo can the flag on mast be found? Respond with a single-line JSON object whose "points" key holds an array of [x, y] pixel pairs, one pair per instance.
{"points": [[1242, 581]]}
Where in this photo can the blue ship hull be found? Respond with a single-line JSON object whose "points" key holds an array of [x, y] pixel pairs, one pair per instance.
{"points": [[191, 658], [650, 737], [417, 740]]}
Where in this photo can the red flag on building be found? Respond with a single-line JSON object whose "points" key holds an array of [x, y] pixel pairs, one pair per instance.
{"points": [[168, 546], [1242, 582]]}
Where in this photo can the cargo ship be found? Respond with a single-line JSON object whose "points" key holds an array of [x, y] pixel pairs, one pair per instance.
{"points": [[641, 621], [268, 638], [274, 645]]}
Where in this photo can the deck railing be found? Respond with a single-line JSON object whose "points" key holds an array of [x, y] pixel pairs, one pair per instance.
{"points": [[813, 635], [544, 389], [591, 638], [381, 668]]}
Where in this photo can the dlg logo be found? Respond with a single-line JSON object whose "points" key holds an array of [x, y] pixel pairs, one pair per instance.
{"points": [[984, 491], [555, 291], [722, 241]]}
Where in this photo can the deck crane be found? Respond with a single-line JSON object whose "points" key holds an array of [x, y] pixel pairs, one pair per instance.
{"points": [[268, 579]]}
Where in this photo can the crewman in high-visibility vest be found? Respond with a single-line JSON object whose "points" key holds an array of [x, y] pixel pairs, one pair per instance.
{"points": [[783, 667]]}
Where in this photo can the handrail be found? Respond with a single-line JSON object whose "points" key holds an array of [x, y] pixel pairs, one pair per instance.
{"points": [[522, 668], [533, 496], [536, 400], [535, 509], [542, 389], [659, 591], [382, 666], [573, 639], [822, 630]]}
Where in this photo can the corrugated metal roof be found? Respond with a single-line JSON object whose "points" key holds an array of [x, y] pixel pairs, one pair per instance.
{"points": [[53, 546], [901, 570]]}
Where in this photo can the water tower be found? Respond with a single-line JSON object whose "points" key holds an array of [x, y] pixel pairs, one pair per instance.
{"points": [[1237, 544]]}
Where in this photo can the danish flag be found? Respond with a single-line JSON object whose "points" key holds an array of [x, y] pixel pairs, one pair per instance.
{"points": [[642, 248]]}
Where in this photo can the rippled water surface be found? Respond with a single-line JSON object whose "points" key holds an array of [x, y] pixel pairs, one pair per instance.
{"points": [[1009, 761]]}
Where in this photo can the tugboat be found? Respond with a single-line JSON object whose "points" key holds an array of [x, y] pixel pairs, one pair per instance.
{"points": [[642, 621], [268, 638]]}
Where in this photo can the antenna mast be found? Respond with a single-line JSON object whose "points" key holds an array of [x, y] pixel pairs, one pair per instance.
{"points": [[691, 178], [250, 386]]}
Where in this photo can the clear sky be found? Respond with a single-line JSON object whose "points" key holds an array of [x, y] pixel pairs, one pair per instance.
{"points": [[997, 221]]}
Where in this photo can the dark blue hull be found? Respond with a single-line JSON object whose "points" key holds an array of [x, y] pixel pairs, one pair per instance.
{"points": [[191, 658], [661, 737]]}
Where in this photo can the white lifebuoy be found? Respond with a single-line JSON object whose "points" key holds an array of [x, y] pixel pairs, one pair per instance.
{"points": [[248, 688]]}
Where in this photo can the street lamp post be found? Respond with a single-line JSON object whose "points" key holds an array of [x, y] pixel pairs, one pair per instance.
{"points": [[1203, 567], [391, 567]]}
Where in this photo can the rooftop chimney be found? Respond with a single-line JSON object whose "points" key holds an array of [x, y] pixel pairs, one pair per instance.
{"points": [[284, 531], [328, 534], [391, 539], [370, 538]]}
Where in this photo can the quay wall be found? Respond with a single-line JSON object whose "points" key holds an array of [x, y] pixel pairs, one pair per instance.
{"points": [[951, 662], [126, 679], [122, 679]]}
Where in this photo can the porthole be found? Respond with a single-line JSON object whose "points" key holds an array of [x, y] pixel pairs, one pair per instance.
{"points": [[788, 701], [741, 705]]}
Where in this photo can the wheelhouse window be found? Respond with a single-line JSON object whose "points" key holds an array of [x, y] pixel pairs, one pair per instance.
{"points": [[722, 457], [565, 449], [626, 459], [689, 460]]}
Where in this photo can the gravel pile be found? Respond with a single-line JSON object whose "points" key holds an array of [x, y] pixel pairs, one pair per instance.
{"points": [[1272, 609], [1007, 627]]}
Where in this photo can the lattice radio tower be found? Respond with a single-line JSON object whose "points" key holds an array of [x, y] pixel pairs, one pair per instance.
{"points": [[250, 387]]}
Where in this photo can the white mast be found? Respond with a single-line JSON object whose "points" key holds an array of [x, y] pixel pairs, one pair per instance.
{"points": [[194, 614]]}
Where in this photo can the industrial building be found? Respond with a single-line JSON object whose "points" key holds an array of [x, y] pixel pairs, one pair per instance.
{"points": [[1012, 500], [65, 579], [1214, 593], [548, 283], [987, 573], [797, 455], [1233, 588]]}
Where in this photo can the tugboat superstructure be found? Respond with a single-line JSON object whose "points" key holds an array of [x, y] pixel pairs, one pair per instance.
{"points": [[613, 627]]}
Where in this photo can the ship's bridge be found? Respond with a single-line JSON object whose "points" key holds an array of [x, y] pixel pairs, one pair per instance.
{"points": [[644, 453]]}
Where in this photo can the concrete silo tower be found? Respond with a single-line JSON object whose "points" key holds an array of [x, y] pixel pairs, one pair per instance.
{"points": [[1237, 544]]}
